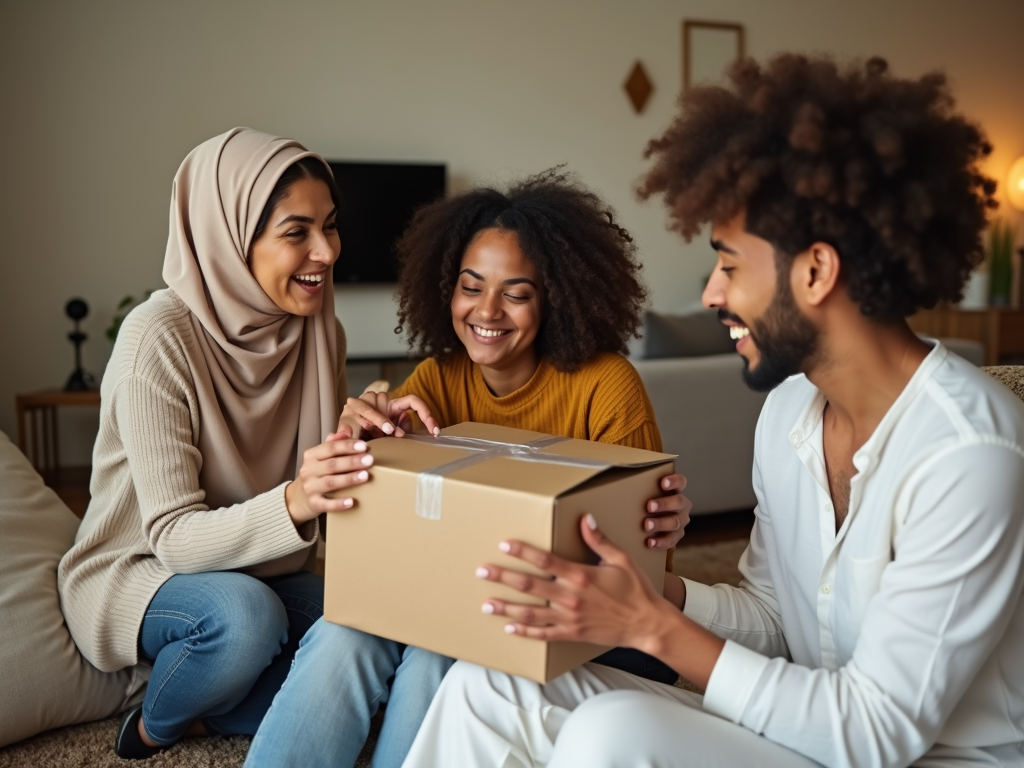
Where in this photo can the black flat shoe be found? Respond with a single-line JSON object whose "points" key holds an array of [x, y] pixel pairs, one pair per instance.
{"points": [[128, 743]]}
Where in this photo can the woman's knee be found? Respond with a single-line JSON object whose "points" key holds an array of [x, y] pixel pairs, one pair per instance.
{"points": [[245, 615], [422, 670]]}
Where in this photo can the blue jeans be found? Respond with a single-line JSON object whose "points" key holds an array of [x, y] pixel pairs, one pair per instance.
{"points": [[221, 645], [339, 679]]}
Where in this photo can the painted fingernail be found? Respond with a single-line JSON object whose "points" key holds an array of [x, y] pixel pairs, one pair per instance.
{"points": [[347, 502], [487, 608], [651, 543], [359, 445], [650, 525], [592, 523], [387, 429], [362, 476], [367, 460], [482, 573], [510, 629], [437, 431], [653, 506], [665, 483], [505, 546]]}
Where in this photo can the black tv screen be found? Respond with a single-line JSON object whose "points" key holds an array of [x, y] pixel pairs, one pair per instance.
{"points": [[377, 204]]}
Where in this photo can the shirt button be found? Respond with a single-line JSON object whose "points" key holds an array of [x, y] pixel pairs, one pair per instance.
{"points": [[827, 589], [828, 507]]}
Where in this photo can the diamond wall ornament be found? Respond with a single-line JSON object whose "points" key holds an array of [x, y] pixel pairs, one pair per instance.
{"points": [[638, 87]]}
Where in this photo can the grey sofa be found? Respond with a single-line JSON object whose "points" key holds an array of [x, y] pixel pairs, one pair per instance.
{"points": [[705, 413]]}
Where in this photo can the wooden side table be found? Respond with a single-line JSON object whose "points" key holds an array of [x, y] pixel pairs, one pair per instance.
{"points": [[37, 424], [1000, 329]]}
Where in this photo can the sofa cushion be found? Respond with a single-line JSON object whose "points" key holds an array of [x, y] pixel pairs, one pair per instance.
{"points": [[690, 334], [44, 681]]}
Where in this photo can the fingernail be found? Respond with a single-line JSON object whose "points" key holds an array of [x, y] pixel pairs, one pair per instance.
{"points": [[510, 629], [387, 429], [347, 503], [437, 431], [505, 546], [487, 608], [651, 543], [653, 506], [362, 476], [665, 483], [650, 525], [359, 445], [367, 460], [592, 523], [482, 573]]}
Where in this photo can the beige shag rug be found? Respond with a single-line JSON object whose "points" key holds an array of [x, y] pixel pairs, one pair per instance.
{"points": [[92, 745]]}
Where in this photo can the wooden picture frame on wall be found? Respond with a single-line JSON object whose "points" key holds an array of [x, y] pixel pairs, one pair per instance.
{"points": [[709, 47]]}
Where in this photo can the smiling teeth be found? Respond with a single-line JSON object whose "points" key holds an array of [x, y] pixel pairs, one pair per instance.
{"points": [[736, 332], [313, 279], [488, 333]]}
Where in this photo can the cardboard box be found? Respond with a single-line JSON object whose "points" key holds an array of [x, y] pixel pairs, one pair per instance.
{"points": [[401, 564]]}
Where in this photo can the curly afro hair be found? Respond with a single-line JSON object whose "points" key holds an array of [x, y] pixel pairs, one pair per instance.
{"points": [[593, 295], [878, 167]]}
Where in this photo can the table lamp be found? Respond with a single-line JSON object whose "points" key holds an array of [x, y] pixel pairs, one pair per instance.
{"points": [[1015, 184]]}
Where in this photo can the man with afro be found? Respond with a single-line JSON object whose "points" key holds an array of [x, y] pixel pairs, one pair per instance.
{"points": [[879, 621]]}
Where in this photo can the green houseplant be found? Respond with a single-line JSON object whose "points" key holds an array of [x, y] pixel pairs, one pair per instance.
{"points": [[1000, 260], [126, 305]]}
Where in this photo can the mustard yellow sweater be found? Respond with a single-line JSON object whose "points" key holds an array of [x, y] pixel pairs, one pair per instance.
{"points": [[604, 400]]}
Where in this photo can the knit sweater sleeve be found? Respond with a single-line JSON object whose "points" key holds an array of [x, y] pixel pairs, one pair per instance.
{"points": [[156, 424], [620, 411], [427, 383]]}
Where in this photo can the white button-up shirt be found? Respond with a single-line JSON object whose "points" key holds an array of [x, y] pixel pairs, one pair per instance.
{"points": [[903, 633]]}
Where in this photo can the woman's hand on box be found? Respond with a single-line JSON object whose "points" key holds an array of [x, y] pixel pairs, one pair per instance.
{"points": [[378, 415], [612, 603], [336, 464], [668, 515]]}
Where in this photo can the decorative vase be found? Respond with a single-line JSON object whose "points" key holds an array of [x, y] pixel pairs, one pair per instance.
{"points": [[976, 291]]}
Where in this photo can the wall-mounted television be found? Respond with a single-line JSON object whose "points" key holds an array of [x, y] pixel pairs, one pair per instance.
{"points": [[377, 204]]}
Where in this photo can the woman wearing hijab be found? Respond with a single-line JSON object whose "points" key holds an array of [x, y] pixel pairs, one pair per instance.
{"points": [[216, 447]]}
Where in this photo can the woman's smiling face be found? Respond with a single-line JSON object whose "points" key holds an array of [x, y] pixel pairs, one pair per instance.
{"points": [[292, 258], [496, 308]]}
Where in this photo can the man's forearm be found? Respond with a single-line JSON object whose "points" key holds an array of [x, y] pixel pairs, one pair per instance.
{"points": [[681, 643], [675, 590]]}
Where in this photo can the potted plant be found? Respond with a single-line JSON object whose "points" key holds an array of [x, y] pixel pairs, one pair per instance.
{"points": [[1000, 260], [126, 305]]}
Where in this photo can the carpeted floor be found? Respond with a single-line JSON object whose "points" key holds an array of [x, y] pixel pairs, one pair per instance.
{"points": [[91, 745]]}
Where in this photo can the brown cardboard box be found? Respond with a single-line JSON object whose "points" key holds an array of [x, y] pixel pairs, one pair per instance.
{"points": [[393, 572]]}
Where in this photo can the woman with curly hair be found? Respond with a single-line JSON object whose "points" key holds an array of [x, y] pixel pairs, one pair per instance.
{"points": [[523, 301]]}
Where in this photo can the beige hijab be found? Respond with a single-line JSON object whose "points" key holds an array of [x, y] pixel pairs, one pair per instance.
{"points": [[266, 393]]}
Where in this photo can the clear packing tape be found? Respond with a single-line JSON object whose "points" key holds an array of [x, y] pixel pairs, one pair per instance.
{"points": [[430, 482]]}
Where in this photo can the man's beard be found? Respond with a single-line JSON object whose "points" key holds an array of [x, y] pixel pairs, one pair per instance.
{"points": [[785, 340]]}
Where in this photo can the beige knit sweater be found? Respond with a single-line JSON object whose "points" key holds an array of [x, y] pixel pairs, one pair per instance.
{"points": [[148, 518]]}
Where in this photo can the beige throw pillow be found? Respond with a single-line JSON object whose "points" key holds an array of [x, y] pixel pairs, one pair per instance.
{"points": [[44, 681]]}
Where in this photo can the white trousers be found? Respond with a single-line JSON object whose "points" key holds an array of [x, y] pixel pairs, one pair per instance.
{"points": [[598, 717], [594, 716]]}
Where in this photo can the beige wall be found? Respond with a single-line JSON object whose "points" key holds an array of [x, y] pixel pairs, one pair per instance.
{"points": [[101, 100]]}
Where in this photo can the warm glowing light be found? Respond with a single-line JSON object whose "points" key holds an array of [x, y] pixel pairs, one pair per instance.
{"points": [[1015, 184]]}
